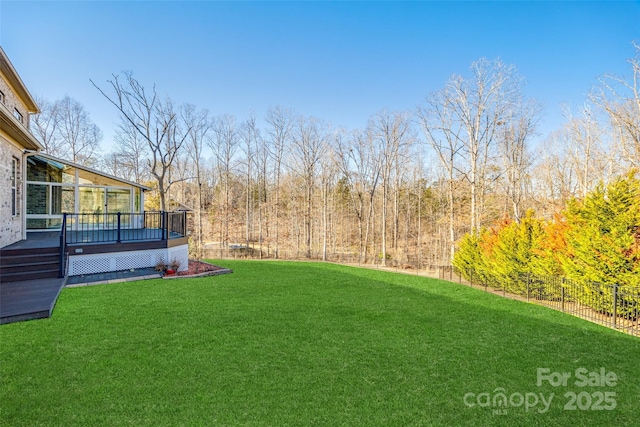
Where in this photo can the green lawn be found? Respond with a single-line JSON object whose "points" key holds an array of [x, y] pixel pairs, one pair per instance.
{"points": [[278, 343]]}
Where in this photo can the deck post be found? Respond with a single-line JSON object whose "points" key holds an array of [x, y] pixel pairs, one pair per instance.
{"points": [[164, 224], [63, 243], [184, 224], [119, 240]]}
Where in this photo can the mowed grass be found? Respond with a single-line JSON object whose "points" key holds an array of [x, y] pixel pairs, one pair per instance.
{"points": [[278, 343]]}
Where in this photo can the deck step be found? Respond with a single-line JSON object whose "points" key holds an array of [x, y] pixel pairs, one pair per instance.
{"points": [[48, 273], [28, 267], [28, 260], [11, 256], [19, 265]]}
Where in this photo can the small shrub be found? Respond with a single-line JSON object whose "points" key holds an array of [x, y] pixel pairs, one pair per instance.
{"points": [[161, 266], [175, 264]]}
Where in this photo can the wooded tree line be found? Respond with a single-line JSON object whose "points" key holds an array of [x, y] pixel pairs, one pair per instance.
{"points": [[404, 188]]}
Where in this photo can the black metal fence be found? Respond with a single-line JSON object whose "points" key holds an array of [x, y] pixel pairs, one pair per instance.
{"points": [[122, 227], [610, 305]]}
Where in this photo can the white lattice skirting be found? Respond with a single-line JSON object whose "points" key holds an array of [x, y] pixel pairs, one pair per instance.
{"points": [[118, 261]]}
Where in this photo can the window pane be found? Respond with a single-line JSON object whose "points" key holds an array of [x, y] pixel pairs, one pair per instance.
{"points": [[45, 170], [14, 168], [14, 190], [118, 200], [37, 199], [62, 200], [138, 200], [91, 200], [68, 199]]}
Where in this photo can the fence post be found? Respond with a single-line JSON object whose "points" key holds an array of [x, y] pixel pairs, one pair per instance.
{"points": [[528, 282], [615, 304], [562, 293]]}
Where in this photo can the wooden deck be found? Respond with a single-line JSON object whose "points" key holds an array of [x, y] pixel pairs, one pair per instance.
{"points": [[47, 239], [35, 298], [27, 300]]}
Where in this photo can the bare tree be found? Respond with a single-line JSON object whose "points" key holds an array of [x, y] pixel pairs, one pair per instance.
{"points": [[44, 126], [81, 137], [66, 131], [393, 136], [619, 97], [111, 164], [131, 151], [261, 159], [443, 135], [361, 169], [479, 104], [327, 172], [179, 177], [518, 125], [155, 120], [224, 145], [280, 122], [249, 134], [573, 159], [199, 127], [463, 123], [584, 134], [555, 176], [309, 144]]}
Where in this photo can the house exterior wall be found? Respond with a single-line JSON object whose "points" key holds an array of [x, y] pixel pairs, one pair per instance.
{"points": [[10, 225], [11, 101], [15, 137]]}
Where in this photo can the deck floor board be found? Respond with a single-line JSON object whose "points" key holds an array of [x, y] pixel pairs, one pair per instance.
{"points": [[29, 299]]}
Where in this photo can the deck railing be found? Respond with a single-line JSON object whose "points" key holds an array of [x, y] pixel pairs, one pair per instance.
{"points": [[122, 227]]}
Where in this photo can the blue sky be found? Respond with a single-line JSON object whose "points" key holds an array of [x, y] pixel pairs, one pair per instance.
{"points": [[338, 61]]}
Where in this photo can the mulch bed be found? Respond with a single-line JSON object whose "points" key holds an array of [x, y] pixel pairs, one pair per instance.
{"points": [[199, 268]]}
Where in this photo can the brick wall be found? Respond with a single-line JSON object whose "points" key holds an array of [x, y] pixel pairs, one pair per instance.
{"points": [[11, 101], [10, 226]]}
